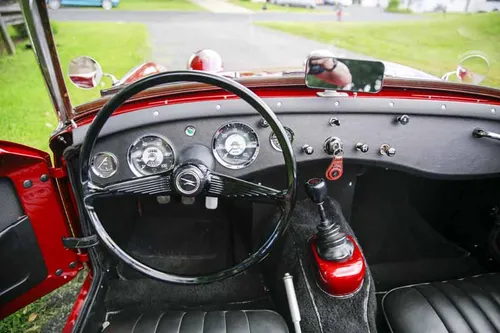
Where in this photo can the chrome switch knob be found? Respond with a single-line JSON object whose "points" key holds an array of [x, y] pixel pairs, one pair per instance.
{"points": [[387, 150], [362, 147], [403, 120], [308, 149]]}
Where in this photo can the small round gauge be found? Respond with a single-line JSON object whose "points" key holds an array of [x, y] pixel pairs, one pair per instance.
{"points": [[274, 139], [104, 165], [235, 145], [149, 155]]}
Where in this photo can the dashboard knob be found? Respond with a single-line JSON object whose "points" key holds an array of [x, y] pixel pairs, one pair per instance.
{"points": [[263, 123], [362, 147], [308, 149], [403, 120], [334, 122], [333, 146], [387, 150]]}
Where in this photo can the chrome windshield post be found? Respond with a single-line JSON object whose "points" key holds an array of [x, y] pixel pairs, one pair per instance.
{"points": [[37, 21]]}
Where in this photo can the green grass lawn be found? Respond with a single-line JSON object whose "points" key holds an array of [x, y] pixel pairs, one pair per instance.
{"points": [[181, 5], [257, 6], [26, 113], [433, 45]]}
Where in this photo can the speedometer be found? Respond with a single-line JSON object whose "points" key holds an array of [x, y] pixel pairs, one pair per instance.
{"points": [[235, 145], [149, 155]]}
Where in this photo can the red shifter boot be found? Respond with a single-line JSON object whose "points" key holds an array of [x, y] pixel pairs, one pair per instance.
{"points": [[340, 266]]}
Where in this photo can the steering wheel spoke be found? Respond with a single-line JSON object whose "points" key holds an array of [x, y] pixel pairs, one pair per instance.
{"points": [[148, 185], [230, 187]]}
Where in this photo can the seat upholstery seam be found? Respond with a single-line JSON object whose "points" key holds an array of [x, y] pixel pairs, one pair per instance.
{"points": [[158, 322], [477, 305], [453, 303], [248, 322], [180, 322], [486, 292], [225, 322], [136, 322], [203, 322], [434, 308]]}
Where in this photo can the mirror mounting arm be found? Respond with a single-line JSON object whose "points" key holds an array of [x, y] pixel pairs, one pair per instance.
{"points": [[331, 94], [113, 78]]}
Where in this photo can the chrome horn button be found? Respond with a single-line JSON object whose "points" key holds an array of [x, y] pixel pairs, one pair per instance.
{"points": [[189, 181]]}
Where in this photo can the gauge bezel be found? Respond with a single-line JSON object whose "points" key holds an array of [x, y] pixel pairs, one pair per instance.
{"points": [[232, 166], [94, 169], [277, 148], [131, 164]]}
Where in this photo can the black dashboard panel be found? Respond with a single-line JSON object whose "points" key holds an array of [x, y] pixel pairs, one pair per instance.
{"points": [[437, 141]]}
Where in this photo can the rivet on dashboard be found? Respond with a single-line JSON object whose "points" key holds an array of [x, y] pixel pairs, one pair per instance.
{"points": [[391, 104], [337, 103], [217, 107], [278, 104], [443, 107], [156, 113], [493, 110]]}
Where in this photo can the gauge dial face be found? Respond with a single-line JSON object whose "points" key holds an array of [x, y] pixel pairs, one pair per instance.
{"points": [[104, 165], [149, 155], [235, 145], [274, 139]]}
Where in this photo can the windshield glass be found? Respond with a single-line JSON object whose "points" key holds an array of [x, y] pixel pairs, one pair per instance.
{"points": [[455, 40]]}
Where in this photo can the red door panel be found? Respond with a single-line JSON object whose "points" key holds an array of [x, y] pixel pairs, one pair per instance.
{"points": [[33, 260]]}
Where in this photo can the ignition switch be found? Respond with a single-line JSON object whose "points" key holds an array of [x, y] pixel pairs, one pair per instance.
{"points": [[333, 146]]}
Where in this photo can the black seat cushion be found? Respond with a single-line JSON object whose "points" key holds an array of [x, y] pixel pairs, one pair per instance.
{"points": [[252, 321], [465, 305]]}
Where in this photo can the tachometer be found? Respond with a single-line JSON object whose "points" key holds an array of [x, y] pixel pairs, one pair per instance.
{"points": [[235, 145], [274, 140], [149, 155]]}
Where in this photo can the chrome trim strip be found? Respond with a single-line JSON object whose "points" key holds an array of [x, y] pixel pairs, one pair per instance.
{"points": [[38, 24]]}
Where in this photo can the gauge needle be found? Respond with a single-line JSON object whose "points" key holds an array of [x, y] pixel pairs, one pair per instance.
{"points": [[103, 161], [230, 150]]}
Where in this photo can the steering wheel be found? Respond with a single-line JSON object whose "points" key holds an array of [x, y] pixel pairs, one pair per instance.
{"points": [[208, 181]]}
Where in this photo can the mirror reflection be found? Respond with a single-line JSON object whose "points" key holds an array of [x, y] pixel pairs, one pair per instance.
{"points": [[332, 73], [84, 72]]}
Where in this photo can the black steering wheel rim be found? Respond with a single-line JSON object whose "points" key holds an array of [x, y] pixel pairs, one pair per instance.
{"points": [[289, 195]]}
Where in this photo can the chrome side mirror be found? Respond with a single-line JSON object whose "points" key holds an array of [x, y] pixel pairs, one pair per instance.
{"points": [[84, 72], [332, 73], [473, 69]]}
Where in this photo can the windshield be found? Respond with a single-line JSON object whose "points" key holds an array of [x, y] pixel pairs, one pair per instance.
{"points": [[455, 40]]}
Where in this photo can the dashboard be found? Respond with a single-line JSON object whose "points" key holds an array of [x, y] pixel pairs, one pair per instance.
{"points": [[421, 136]]}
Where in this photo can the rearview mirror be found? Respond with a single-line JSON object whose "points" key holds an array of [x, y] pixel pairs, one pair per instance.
{"points": [[331, 73], [84, 72]]}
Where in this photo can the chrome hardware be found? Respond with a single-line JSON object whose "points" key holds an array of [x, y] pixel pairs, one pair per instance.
{"points": [[403, 120], [292, 302], [263, 123], [480, 133], [387, 150], [362, 147], [334, 122], [333, 146], [307, 149]]}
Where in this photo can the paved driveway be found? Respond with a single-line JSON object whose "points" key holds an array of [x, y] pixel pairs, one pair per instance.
{"points": [[242, 44]]}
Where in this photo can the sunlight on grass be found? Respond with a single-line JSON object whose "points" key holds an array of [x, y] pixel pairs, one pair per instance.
{"points": [[26, 113], [257, 6], [180, 5], [433, 45]]}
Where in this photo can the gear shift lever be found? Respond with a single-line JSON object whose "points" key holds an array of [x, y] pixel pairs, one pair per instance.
{"points": [[331, 244]]}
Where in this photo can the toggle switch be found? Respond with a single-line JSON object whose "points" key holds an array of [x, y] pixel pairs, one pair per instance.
{"points": [[362, 147], [309, 150], [403, 120]]}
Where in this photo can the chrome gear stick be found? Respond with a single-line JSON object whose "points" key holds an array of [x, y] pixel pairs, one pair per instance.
{"points": [[331, 244]]}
